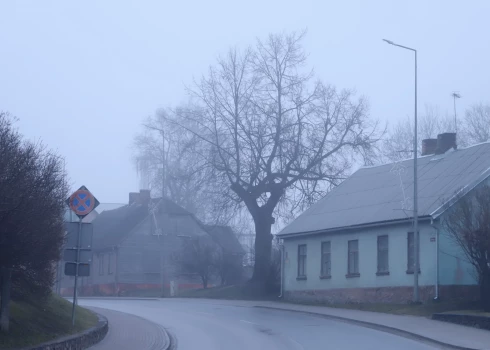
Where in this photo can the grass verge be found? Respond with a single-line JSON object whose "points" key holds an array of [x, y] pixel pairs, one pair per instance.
{"points": [[33, 322], [233, 292], [237, 292], [425, 310]]}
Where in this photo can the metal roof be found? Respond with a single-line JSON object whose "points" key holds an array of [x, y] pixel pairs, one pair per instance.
{"points": [[384, 193], [225, 237]]}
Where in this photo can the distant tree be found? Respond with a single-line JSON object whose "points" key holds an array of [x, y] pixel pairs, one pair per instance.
{"points": [[398, 141], [32, 194], [468, 223], [189, 180], [476, 127], [229, 267], [279, 138], [199, 257]]}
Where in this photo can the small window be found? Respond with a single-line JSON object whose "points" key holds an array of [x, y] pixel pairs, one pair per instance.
{"points": [[353, 259], [411, 251], [101, 264], [302, 261], [383, 268], [109, 263], [326, 260]]}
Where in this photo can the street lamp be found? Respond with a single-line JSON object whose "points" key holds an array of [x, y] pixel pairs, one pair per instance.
{"points": [[415, 185]]}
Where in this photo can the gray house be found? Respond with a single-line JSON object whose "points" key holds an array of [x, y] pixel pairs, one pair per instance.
{"points": [[138, 247], [356, 244]]}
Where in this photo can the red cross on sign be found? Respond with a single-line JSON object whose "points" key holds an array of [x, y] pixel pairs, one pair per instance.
{"points": [[82, 202]]}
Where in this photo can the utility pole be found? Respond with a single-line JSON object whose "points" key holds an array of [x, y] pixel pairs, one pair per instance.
{"points": [[162, 255], [162, 204]]}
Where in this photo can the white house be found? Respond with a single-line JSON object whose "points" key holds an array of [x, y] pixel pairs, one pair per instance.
{"points": [[356, 244]]}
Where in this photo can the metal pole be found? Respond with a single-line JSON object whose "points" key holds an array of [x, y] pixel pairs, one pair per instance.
{"points": [[60, 262], [163, 163], [415, 188], [79, 232], [415, 201], [162, 257]]}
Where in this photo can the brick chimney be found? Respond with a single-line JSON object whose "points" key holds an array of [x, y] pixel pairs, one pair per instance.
{"points": [[429, 146], [145, 197], [134, 197], [445, 141], [142, 197]]}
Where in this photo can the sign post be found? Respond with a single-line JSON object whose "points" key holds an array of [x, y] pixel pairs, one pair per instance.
{"points": [[81, 202]]}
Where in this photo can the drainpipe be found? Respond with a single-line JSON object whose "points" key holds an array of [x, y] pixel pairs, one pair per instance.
{"points": [[282, 268], [436, 286]]}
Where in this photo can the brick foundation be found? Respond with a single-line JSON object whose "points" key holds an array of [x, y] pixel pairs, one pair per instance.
{"points": [[392, 295]]}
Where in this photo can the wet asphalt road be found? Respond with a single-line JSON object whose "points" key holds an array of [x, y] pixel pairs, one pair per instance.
{"points": [[213, 325]]}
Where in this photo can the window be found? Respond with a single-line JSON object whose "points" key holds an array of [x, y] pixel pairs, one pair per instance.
{"points": [[109, 263], [101, 264], [410, 252], [383, 268], [353, 259], [326, 260], [302, 261]]}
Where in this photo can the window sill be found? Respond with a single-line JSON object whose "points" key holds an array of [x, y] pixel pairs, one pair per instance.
{"points": [[410, 272], [385, 273], [301, 278], [325, 277], [352, 275]]}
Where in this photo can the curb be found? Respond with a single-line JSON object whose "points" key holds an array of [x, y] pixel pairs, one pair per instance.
{"points": [[115, 298], [77, 341], [376, 326], [475, 321]]}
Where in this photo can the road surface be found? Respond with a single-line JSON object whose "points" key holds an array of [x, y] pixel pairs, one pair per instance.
{"points": [[214, 324]]}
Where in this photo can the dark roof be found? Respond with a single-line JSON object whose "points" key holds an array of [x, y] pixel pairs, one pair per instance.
{"points": [[170, 207], [111, 226], [225, 237], [384, 193]]}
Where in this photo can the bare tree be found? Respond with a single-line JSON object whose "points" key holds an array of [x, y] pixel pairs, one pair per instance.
{"points": [[278, 137], [398, 142], [32, 194], [199, 257], [476, 127], [228, 267], [468, 223]]}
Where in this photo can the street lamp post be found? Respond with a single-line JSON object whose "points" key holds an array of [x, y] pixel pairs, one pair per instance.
{"points": [[415, 188]]}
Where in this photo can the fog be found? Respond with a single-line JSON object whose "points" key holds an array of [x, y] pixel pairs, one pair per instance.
{"points": [[82, 76]]}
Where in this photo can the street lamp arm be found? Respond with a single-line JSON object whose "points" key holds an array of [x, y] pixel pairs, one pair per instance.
{"points": [[403, 47]]}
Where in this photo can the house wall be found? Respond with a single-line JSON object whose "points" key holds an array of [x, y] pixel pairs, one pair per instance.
{"points": [[454, 267], [395, 287], [142, 253]]}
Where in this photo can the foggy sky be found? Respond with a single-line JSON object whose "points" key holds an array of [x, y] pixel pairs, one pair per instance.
{"points": [[81, 76]]}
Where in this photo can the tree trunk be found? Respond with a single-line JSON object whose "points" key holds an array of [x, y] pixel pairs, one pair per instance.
{"points": [[263, 246], [5, 276], [485, 291]]}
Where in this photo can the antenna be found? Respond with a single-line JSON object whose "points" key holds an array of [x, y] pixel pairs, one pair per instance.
{"points": [[455, 95]]}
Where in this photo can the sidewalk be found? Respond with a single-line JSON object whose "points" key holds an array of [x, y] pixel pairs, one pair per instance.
{"points": [[447, 334], [129, 332]]}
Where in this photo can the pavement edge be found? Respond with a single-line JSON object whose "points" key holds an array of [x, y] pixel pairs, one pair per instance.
{"points": [[170, 339], [379, 327]]}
